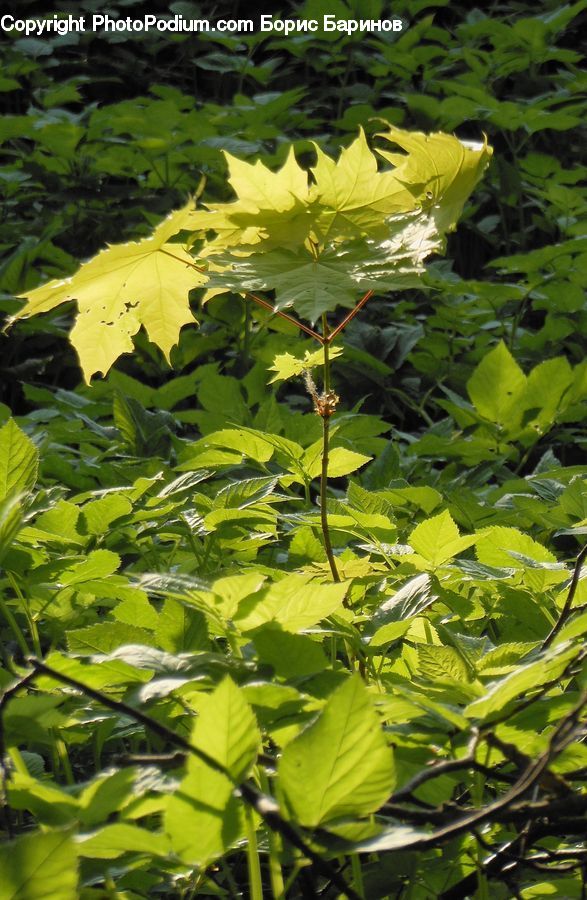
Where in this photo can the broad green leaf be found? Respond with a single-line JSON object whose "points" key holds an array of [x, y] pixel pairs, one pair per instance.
{"points": [[291, 655], [123, 287], [232, 589], [313, 284], [105, 637], [438, 663], [340, 461], [38, 866], [522, 681], [203, 818], [98, 564], [497, 387], [437, 539], [340, 765], [46, 801], [180, 629], [240, 494], [10, 522], [272, 207], [58, 524], [296, 602], [98, 515], [227, 730], [493, 548], [114, 840], [19, 461]]}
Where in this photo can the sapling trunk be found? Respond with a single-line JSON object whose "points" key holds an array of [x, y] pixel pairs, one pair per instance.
{"points": [[325, 406]]}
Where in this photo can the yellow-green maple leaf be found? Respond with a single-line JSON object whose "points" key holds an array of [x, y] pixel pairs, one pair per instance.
{"points": [[439, 168], [355, 197], [272, 207], [123, 287]]}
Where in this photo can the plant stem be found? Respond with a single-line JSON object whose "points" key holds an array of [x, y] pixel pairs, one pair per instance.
{"points": [[357, 874], [325, 448], [16, 630], [275, 847], [254, 867]]}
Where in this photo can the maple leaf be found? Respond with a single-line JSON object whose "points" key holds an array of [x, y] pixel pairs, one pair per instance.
{"points": [[273, 208], [123, 287], [440, 168], [355, 197], [317, 283]]}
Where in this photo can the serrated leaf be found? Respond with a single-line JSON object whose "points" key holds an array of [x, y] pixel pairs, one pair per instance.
{"points": [[522, 681], [295, 603], [203, 818], [291, 655], [105, 637], [497, 545], [98, 515], [313, 284], [123, 287], [39, 866], [340, 461], [340, 765], [355, 197], [437, 663], [98, 564], [19, 460], [285, 365], [438, 539]]}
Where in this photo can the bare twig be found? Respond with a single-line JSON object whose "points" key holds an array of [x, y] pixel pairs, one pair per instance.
{"points": [[568, 604], [348, 318], [293, 321]]}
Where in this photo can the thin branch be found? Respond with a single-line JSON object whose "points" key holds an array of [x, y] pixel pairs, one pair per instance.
{"points": [[279, 312], [566, 610], [531, 776], [350, 316]]}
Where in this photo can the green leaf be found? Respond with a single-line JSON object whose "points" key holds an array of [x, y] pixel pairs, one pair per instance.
{"points": [[39, 866], [180, 629], [496, 546], [355, 197], [105, 637], [522, 681], [98, 515], [291, 655], [296, 602], [203, 817], [113, 841], [440, 168], [497, 387], [437, 539], [98, 564], [19, 461], [340, 461], [285, 365], [123, 287], [340, 765], [441, 663]]}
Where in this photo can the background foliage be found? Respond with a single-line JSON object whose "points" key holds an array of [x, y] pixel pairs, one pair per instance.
{"points": [[159, 535]]}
